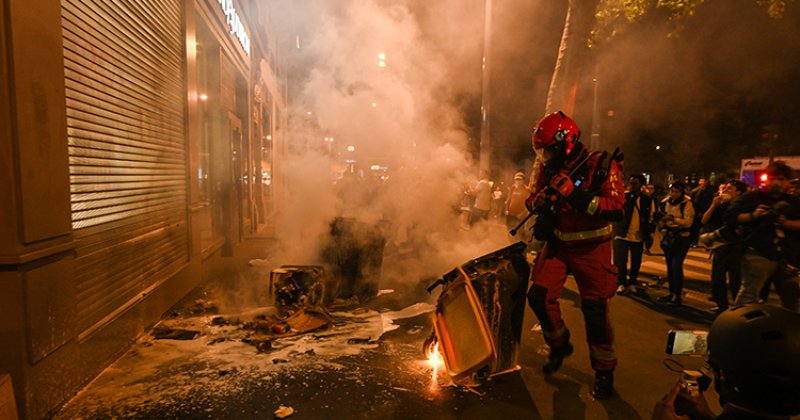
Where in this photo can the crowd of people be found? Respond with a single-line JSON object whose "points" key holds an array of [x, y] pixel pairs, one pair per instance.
{"points": [[751, 235], [592, 225], [762, 241]]}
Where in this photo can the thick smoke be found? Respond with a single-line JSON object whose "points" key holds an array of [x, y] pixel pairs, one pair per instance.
{"points": [[384, 80], [704, 93]]}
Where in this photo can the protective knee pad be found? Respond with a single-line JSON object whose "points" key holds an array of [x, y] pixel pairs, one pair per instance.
{"points": [[537, 300], [594, 315]]}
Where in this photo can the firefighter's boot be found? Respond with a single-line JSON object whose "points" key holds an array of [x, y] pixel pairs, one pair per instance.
{"points": [[556, 358], [603, 385]]}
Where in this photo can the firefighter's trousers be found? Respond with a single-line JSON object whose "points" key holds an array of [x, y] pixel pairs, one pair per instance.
{"points": [[595, 276]]}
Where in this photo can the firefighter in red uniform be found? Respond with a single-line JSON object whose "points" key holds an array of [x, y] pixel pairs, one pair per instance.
{"points": [[577, 194]]}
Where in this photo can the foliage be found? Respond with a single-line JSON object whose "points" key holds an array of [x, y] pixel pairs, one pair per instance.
{"points": [[614, 15]]}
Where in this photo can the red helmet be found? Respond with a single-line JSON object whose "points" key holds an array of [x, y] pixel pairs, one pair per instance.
{"points": [[556, 129]]}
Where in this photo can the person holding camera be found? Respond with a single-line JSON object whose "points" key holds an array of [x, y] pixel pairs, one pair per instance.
{"points": [[675, 225], [753, 352], [770, 222], [726, 256]]}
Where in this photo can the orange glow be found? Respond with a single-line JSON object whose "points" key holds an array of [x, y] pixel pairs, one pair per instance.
{"points": [[435, 359]]}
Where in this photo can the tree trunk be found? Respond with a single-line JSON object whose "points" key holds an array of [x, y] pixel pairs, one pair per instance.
{"points": [[573, 56]]}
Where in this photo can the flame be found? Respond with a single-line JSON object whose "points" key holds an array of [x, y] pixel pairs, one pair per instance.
{"points": [[435, 360]]}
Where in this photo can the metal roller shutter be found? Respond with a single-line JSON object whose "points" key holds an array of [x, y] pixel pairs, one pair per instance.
{"points": [[125, 115]]}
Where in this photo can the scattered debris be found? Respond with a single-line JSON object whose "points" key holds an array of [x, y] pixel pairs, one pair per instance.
{"points": [[473, 390], [219, 321], [262, 345], [281, 328], [367, 340], [340, 302], [166, 333], [543, 350], [325, 336], [298, 285], [309, 319], [283, 411], [200, 307], [217, 340], [259, 262]]}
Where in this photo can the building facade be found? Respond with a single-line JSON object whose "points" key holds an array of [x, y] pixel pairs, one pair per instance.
{"points": [[141, 146]]}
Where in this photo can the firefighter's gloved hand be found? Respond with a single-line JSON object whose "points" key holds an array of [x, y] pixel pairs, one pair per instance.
{"points": [[534, 201], [563, 184], [529, 202]]}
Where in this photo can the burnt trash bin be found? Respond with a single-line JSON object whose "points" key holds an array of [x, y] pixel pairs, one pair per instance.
{"points": [[299, 285], [479, 315], [355, 254]]}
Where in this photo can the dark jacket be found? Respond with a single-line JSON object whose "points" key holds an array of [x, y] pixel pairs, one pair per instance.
{"points": [[645, 218], [760, 235]]}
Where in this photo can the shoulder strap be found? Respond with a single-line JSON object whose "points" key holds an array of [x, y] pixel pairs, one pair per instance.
{"points": [[600, 172]]}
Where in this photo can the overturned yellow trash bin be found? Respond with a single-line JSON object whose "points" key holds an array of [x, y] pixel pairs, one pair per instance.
{"points": [[479, 315]]}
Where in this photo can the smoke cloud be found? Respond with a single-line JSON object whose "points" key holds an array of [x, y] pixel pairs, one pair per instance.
{"points": [[704, 93], [381, 84]]}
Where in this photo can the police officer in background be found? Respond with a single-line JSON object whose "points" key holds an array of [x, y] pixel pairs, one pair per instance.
{"points": [[577, 194]]}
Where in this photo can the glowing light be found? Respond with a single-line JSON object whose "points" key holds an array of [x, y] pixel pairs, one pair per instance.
{"points": [[308, 113], [203, 97], [658, 147], [764, 177], [381, 64], [435, 360], [382, 56], [351, 148], [374, 105]]}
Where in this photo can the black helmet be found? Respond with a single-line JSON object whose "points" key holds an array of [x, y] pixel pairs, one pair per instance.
{"points": [[755, 353]]}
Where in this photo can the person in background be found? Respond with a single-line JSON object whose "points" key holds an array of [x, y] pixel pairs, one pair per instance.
{"points": [[483, 198], [515, 203], [701, 197], [649, 190], [675, 226], [631, 232], [579, 194], [770, 222], [727, 258], [752, 350], [498, 202]]}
